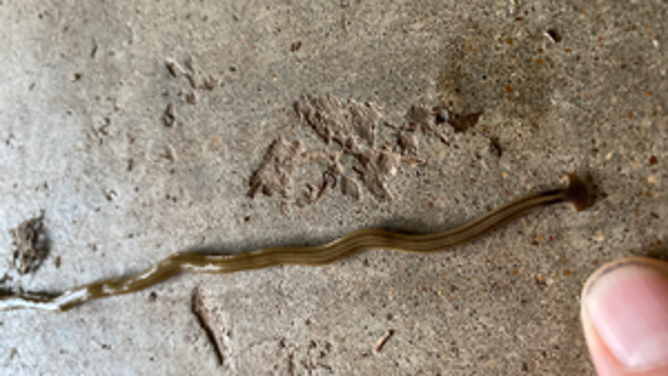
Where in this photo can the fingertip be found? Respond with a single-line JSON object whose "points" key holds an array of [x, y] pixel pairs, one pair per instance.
{"points": [[625, 317]]}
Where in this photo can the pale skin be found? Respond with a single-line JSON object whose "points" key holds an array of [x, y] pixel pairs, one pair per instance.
{"points": [[625, 317]]}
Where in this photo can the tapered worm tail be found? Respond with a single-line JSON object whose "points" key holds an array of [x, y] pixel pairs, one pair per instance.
{"points": [[359, 241]]}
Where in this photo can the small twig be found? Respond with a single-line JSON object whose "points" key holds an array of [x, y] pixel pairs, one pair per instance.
{"points": [[382, 340], [196, 308]]}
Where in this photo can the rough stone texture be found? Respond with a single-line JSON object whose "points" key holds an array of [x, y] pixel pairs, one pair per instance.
{"points": [[83, 92]]}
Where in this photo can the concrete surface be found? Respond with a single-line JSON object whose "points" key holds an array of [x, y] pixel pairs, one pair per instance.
{"points": [[83, 94]]}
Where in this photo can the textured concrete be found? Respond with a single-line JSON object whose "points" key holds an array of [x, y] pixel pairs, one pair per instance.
{"points": [[562, 86]]}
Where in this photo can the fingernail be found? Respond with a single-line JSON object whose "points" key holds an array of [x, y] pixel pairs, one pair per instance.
{"points": [[629, 308]]}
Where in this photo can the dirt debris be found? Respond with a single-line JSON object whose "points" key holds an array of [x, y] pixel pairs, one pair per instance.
{"points": [[174, 68], [461, 123], [338, 121], [170, 153], [279, 164], [312, 194], [191, 73], [375, 169], [364, 119], [350, 188], [335, 168], [408, 144], [210, 83], [495, 146], [351, 125], [423, 118], [376, 166], [191, 97], [169, 117], [31, 245]]}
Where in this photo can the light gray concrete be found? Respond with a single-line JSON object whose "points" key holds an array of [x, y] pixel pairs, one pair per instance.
{"points": [[83, 89]]}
